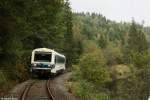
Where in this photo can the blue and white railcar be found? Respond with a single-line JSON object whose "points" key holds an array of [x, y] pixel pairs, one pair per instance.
{"points": [[47, 60]]}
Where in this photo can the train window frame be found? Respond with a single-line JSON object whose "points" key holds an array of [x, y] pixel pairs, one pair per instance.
{"points": [[44, 53]]}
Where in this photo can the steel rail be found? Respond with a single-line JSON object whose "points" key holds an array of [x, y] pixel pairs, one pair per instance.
{"points": [[48, 84], [24, 94]]}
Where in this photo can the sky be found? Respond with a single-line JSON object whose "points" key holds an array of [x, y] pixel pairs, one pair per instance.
{"points": [[117, 10]]}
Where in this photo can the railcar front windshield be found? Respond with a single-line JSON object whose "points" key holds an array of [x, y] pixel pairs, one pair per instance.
{"points": [[42, 57]]}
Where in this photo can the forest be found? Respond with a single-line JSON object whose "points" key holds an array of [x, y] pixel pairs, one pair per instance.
{"points": [[114, 59], [29, 24], [108, 60]]}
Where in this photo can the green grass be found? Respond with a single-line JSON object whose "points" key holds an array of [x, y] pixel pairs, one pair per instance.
{"points": [[5, 82]]}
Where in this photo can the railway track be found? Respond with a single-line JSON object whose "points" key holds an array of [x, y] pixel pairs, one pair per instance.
{"points": [[24, 94], [49, 92]]}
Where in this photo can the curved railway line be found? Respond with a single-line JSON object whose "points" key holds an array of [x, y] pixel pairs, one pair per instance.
{"points": [[24, 94], [48, 84]]}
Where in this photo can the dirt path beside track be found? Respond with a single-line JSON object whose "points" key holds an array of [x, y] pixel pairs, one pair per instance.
{"points": [[59, 87]]}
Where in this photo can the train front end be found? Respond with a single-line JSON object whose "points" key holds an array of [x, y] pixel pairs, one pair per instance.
{"points": [[41, 62]]}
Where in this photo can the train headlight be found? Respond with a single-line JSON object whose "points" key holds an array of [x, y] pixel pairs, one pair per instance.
{"points": [[49, 65], [34, 65]]}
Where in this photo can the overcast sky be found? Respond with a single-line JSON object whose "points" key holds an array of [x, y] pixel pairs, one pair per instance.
{"points": [[118, 10]]}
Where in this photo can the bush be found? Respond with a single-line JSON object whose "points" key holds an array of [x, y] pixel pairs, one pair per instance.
{"points": [[93, 67], [113, 54], [87, 91], [4, 82], [137, 85], [91, 74], [140, 60]]}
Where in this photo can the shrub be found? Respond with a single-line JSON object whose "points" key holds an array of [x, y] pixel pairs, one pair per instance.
{"points": [[86, 91], [140, 60], [93, 67], [113, 54]]}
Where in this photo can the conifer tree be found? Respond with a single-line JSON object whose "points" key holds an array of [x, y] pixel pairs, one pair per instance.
{"points": [[69, 45], [26, 25], [137, 41], [102, 41]]}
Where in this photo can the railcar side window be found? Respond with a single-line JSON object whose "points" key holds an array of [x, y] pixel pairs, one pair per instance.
{"points": [[59, 59]]}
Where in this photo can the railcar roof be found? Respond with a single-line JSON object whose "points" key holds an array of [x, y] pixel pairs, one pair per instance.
{"points": [[47, 50]]}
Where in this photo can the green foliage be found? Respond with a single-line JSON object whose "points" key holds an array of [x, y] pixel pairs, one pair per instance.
{"points": [[136, 85], [136, 42], [29, 24], [95, 26], [123, 47], [69, 47], [93, 67], [4, 80], [113, 54], [139, 60], [147, 33], [102, 41], [87, 91]]}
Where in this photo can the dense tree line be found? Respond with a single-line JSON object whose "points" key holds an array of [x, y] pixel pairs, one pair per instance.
{"points": [[110, 59], [29, 24], [114, 64]]}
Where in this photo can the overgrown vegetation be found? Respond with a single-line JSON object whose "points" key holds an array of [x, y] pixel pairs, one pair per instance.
{"points": [[29, 24], [110, 60], [115, 63]]}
